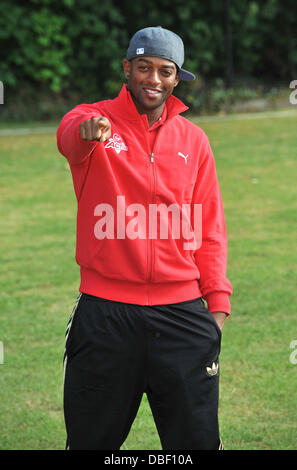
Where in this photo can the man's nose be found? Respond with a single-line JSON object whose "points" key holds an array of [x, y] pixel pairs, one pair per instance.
{"points": [[154, 77]]}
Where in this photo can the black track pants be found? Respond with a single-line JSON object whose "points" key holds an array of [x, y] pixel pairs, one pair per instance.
{"points": [[116, 351]]}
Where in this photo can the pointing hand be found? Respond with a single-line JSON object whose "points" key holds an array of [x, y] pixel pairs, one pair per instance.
{"points": [[96, 128]]}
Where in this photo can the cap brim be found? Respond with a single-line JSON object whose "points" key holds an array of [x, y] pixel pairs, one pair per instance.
{"points": [[185, 75]]}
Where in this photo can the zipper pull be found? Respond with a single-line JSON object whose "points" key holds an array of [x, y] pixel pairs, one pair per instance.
{"points": [[152, 157]]}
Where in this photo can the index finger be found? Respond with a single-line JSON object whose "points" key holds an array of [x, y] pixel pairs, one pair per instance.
{"points": [[101, 128]]}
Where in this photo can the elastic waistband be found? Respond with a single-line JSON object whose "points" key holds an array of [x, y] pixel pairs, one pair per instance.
{"points": [[136, 293], [101, 299]]}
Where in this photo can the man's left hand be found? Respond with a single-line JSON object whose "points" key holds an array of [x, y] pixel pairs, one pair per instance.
{"points": [[220, 318]]}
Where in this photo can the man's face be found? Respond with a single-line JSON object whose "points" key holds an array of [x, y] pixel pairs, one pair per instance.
{"points": [[151, 81]]}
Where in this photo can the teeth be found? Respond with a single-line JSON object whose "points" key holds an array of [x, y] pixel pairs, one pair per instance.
{"points": [[151, 91]]}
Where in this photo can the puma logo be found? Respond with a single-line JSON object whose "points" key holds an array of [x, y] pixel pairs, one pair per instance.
{"points": [[183, 156]]}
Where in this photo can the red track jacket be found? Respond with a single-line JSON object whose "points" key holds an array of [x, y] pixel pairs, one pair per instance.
{"points": [[131, 246]]}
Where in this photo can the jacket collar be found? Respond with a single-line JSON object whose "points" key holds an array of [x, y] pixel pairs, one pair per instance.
{"points": [[123, 104]]}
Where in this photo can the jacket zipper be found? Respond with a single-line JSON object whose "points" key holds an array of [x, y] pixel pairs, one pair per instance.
{"points": [[153, 193], [152, 200], [150, 244]]}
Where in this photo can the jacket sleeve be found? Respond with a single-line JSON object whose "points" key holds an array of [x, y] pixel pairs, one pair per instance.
{"points": [[211, 257], [69, 141]]}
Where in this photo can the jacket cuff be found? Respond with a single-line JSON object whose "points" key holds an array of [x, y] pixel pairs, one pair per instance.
{"points": [[218, 302]]}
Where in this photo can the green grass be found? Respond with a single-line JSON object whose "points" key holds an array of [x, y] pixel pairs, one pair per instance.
{"points": [[257, 167]]}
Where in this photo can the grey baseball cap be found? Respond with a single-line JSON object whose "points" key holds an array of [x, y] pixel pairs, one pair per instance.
{"points": [[156, 41]]}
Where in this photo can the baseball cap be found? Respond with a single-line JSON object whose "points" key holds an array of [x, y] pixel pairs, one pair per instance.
{"points": [[156, 41]]}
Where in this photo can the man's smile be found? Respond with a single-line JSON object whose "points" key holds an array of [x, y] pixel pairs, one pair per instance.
{"points": [[151, 92]]}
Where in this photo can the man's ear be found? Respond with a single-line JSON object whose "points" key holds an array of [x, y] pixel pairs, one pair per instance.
{"points": [[127, 68], [176, 78]]}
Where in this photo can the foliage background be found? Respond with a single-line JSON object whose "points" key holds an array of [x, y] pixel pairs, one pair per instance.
{"points": [[58, 53]]}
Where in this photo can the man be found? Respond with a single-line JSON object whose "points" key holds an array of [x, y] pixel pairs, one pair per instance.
{"points": [[140, 324]]}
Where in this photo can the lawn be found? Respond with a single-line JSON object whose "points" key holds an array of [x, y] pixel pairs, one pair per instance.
{"points": [[257, 168]]}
